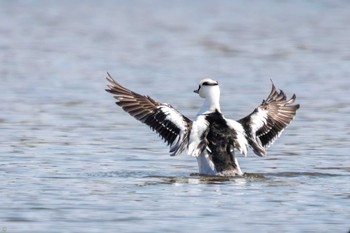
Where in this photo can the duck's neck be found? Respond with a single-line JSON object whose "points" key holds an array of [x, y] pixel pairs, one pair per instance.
{"points": [[211, 103]]}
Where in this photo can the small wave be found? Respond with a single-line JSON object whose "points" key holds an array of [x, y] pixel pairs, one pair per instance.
{"points": [[299, 174]]}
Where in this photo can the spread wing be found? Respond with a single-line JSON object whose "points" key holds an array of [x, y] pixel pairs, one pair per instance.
{"points": [[170, 124], [266, 123]]}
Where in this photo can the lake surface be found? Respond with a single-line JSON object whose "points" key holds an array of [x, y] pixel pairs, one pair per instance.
{"points": [[72, 161]]}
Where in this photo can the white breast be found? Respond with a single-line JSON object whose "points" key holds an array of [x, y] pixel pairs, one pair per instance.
{"points": [[205, 165], [199, 126]]}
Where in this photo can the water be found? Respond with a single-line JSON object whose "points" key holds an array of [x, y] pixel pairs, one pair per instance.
{"points": [[71, 161]]}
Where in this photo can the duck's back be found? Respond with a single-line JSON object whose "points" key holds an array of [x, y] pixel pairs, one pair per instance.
{"points": [[221, 139]]}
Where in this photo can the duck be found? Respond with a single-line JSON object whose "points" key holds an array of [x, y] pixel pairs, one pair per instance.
{"points": [[210, 137]]}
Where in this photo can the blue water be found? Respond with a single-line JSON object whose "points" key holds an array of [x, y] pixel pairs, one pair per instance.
{"points": [[72, 161]]}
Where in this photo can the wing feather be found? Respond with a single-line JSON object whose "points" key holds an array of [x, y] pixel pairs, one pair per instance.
{"points": [[266, 123], [171, 125]]}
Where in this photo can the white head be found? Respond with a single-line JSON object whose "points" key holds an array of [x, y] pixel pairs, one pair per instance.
{"points": [[210, 91], [207, 88]]}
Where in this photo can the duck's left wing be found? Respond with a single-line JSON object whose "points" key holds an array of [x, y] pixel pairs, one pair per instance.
{"points": [[266, 123], [170, 124]]}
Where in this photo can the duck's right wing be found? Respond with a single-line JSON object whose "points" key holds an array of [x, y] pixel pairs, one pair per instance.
{"points": [[266, 123], [170, 124]]}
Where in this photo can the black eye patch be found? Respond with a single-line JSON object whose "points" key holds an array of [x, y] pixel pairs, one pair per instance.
{"points": [[209, 84]]}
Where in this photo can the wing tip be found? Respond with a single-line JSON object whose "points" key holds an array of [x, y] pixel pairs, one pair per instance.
{"points": [[109, 78]]}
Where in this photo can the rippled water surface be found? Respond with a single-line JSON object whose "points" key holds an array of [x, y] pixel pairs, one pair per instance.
{"points": [[72, 161]]}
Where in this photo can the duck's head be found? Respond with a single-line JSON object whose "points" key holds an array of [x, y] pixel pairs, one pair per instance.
{"points": [[208, 87]]}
